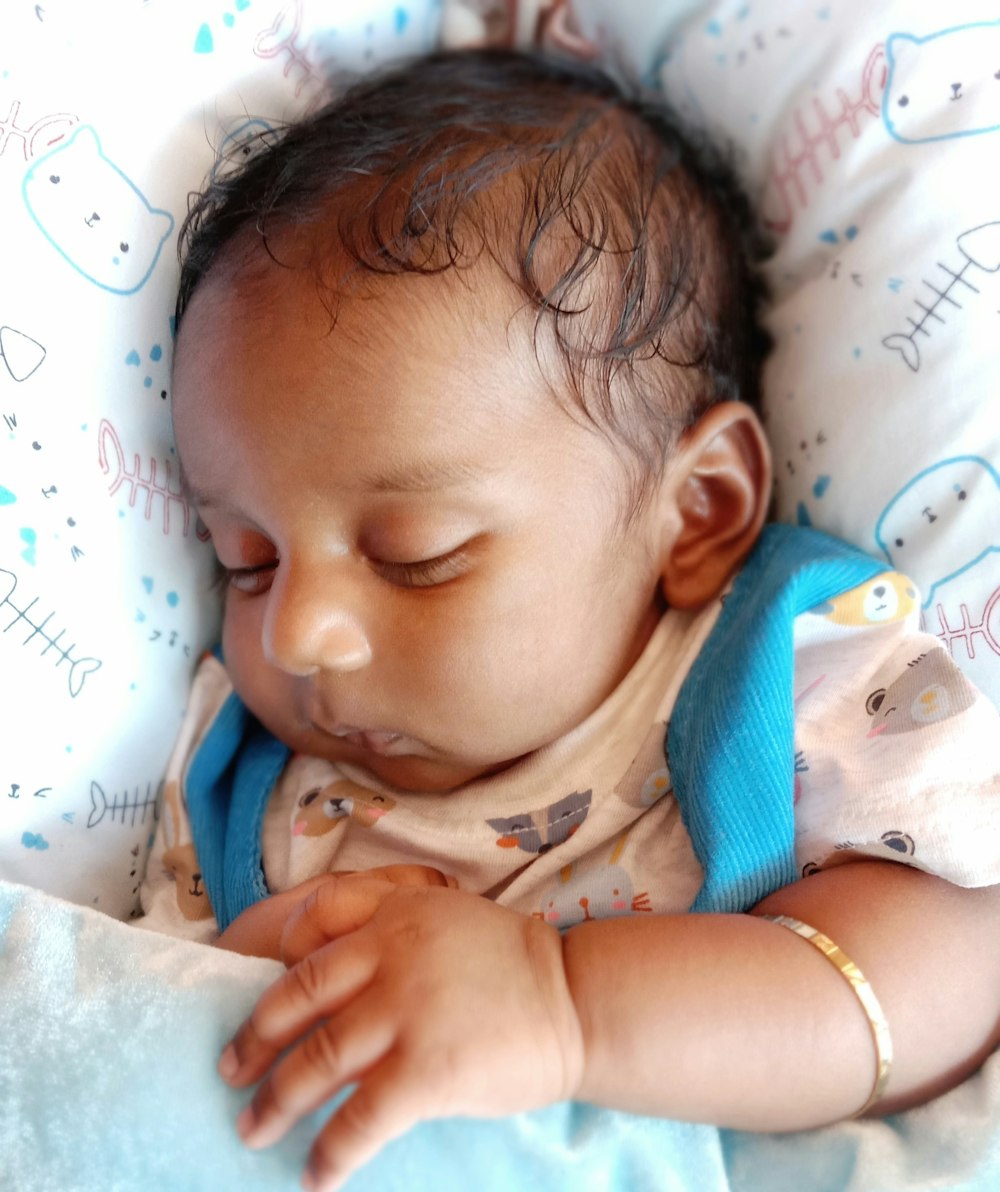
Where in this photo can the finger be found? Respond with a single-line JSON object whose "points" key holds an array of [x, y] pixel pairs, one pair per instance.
{"points": [[258, 930], [314, 1071], [384, 1105], [411, 875], [340, 905], [315, 988]]}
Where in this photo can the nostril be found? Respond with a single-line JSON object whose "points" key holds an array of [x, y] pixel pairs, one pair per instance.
{"points": [[344, 655]]}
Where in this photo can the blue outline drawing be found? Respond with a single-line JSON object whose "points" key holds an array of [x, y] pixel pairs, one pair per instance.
{"points": [[887, 94], [86, 133], [944, 463]]}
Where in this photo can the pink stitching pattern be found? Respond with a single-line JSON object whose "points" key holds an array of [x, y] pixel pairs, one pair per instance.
{"points": [[112, 458], [28, 136], [797, 161]]}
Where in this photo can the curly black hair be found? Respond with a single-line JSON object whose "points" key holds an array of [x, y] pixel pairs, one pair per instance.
{"points": [[628, 237]]}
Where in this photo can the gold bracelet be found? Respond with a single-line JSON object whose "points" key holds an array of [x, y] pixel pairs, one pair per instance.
{"points": [[862, 991]]}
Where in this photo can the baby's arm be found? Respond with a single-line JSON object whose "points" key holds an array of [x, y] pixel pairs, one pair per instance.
{"points": [[735, 1020], [721, 1018]]}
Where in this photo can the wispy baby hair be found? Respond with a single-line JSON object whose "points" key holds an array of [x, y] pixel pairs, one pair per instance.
{"points": [[629, 240]]}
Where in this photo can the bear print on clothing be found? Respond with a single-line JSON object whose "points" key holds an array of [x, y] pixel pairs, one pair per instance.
{"points": [[931, 689], [888, 597]]}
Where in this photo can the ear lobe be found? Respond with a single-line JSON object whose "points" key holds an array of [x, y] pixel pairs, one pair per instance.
{"points": [[720, 499]]}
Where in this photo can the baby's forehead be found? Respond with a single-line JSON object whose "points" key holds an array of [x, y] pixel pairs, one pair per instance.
{"points": [[421, 388], [302, 268], [292, 318]]}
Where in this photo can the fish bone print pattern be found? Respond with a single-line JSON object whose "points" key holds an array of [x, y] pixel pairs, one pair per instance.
{"points": [[105, 575]]}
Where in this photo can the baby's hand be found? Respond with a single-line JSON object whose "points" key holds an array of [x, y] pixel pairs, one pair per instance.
{"points": [[285, 927], [439, 1003], [331, 909]]}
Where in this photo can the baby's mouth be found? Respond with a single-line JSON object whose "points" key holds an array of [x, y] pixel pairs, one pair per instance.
{"points": [[378, 741]]}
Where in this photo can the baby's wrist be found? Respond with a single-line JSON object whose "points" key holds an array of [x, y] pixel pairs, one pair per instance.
{"points": [[545, 948], [577, 960]]}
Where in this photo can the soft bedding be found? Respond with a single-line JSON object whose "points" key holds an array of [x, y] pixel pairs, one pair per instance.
{"points": [[866, 135], [108, 1041]]}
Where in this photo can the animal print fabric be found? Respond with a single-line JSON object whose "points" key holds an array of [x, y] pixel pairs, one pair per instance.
{"points": [[894, 759]]}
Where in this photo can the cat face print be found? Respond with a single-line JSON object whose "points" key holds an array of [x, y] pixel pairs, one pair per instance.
{"points": [[94, 215], [942, 86], [943, 522], [542, 829]]}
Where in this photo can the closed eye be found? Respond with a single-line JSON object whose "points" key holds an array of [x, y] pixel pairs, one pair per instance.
{"points": [[251, 581], [425, 573]]}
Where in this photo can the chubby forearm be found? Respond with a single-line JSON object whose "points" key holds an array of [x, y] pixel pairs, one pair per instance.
{"points": [[736, 1020]]}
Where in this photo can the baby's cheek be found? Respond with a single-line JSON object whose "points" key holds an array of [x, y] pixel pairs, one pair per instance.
{"points": [[242, 647], [266, 691]]}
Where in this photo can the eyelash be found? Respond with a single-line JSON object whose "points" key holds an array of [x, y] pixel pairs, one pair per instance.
{"points": [[252, 577], [427, 573]]}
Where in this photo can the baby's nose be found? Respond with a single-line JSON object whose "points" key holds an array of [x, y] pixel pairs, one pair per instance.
{"points": [[307, 630]]}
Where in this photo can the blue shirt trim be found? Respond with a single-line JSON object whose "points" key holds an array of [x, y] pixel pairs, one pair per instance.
{"points": [[227, 785], [731, 738]]}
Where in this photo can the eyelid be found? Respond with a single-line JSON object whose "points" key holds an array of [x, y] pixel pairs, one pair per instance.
{"points": [[425, 573], [422, 573], [251, 581]]}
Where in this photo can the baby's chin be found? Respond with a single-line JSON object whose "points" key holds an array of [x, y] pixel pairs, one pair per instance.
{"points": [[410, 772]]}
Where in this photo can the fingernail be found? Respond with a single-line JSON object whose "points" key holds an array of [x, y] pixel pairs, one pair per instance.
{"points": [[245, 1122], [229, 1064]]}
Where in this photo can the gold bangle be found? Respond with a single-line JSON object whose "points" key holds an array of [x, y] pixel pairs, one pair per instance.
{"points": [[862, 991]]}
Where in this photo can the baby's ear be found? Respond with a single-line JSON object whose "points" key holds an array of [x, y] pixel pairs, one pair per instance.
{"points": [[716, 493]]}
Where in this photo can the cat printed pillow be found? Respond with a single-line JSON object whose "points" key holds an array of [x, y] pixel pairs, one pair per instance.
{"points": [[106, 599], [864, 136], [116, 247], [868, 137]]}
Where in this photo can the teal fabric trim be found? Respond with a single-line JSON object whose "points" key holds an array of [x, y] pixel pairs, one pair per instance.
{"points": [[258, 769], [731, 740], [227, 786], [207, 790]]}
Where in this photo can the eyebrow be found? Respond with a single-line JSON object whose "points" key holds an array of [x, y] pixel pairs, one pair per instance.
{"points": [[195, 496], [414, 476], [426, 475]]}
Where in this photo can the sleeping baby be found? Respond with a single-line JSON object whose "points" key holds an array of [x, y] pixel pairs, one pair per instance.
{"points": [[513, 678]]}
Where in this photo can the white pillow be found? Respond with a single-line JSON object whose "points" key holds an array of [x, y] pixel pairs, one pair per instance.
{"points": [[880, 208], [868, 136], [105, 604]]}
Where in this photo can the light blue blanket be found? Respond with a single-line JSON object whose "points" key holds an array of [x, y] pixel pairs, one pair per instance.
{"points": [[108, 1042]]}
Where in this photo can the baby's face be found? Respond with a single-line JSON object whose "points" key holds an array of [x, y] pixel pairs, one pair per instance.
{"points": [[427, 573]]}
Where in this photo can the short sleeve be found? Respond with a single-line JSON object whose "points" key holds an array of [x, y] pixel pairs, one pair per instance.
{"points": [[895, 750]]}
